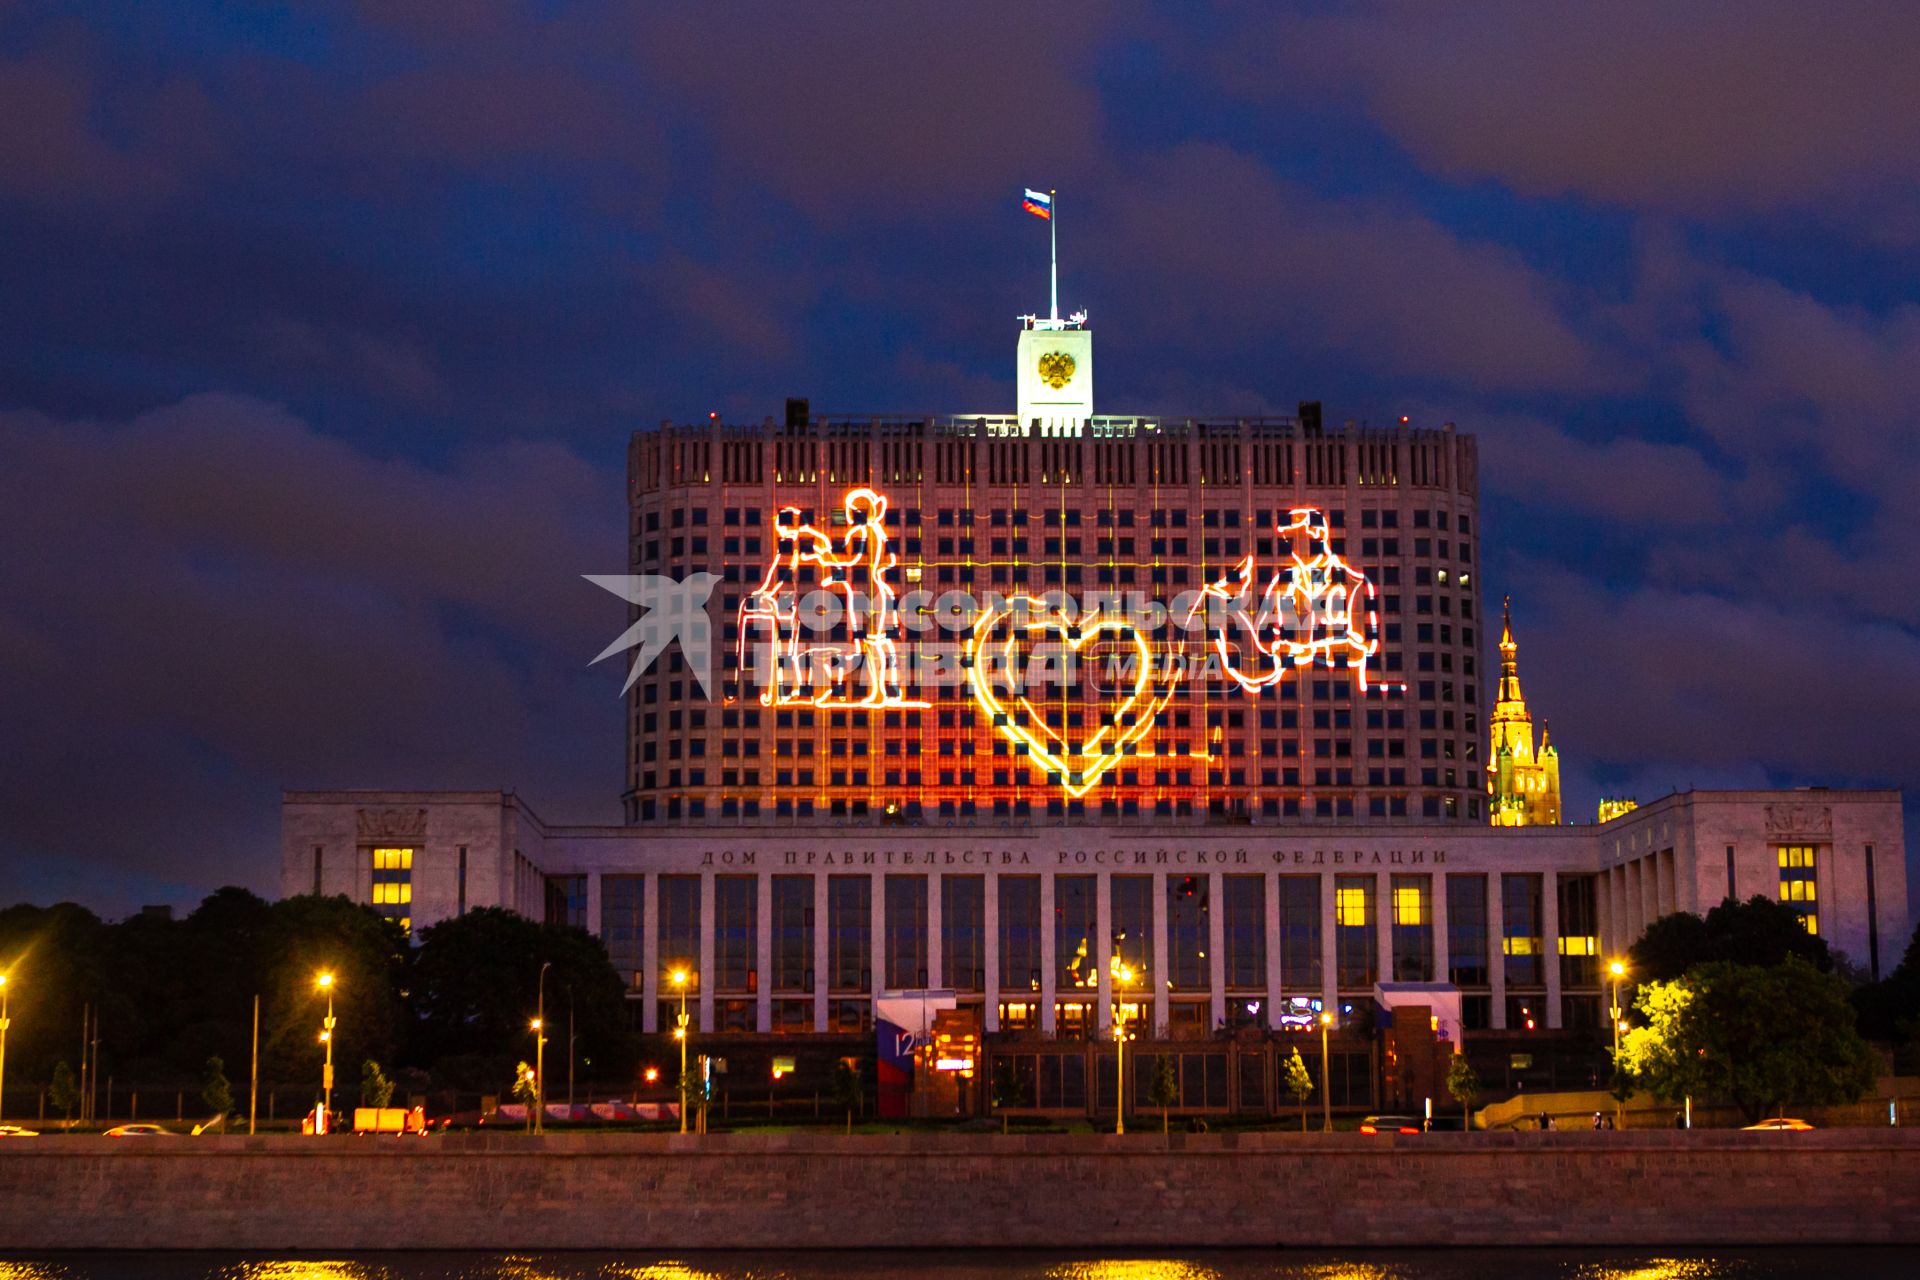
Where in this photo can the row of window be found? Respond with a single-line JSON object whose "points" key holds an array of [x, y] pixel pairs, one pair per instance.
{"points": [[1019, 924], [648, 808], [681, 516]]}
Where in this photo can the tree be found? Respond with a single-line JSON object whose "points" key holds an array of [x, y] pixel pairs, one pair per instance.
{"points": [[846, 1088], [375, 1089], [1758, 931], [1758, 1037], [1297, 1084], [1463, 1086], [475, 985], [64, 1090], [526, 1088], [1164, 1090], [216, 1090]]}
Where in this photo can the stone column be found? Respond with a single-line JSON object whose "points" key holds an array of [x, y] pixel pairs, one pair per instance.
{"points": [[707, 915], [593, 903], [1160, 967], [1276, 981], [1216, 948], [1383, 924], [1103, 951], [877, 929], [990, 913], [650, 953], [1442, 946], [1049, 965], [820, 981], [763, 953], [1329, 949], [936, 934], [1550, 943], [1497, 950]]}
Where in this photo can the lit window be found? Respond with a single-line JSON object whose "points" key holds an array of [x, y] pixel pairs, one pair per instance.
{"points": [[1406, 905], [1350, 907], [1798, 886]]}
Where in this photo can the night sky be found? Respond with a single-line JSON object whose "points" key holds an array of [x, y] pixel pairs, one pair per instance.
{"points": [[323, 326]]}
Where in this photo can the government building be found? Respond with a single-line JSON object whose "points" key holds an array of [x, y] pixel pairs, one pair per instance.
{"points": [[1053, 717]]}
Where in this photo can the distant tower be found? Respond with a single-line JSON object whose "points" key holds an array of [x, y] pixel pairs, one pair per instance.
{"points": [[1523, 788], [1055, 375]]}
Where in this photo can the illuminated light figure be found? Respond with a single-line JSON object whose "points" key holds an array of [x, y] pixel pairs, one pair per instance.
{"points": [[1005, 635], [802, 552], [1316, 608]]}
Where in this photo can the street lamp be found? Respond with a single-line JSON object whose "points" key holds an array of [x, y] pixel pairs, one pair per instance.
{"points": [[1122, 977], [1326, 1061], [1617, 970], [680, 977], [5, 1022], [540, 1056], [325, 983]]}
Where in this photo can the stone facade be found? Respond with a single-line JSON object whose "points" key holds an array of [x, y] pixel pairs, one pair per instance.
{"points": [[936, 1191]]}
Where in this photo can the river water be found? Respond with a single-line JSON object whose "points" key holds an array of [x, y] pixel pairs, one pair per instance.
{"points": [[947, 1264]]}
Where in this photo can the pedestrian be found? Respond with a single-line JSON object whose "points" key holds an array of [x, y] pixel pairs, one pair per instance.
{"points": [[1546, 1122], [1596, 1120]]}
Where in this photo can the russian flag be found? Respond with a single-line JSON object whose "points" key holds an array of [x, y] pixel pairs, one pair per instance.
{"points": [[1038, 203]]}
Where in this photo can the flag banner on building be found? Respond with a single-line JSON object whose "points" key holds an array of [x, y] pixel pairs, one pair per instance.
{"points": [[1038, 203]]}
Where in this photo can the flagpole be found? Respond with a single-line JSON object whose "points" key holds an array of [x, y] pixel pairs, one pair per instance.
{"points": [[1053, 256]]}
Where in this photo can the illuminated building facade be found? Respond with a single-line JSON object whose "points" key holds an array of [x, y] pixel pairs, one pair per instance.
{"points": [[1152, 510], [1523, 786]]}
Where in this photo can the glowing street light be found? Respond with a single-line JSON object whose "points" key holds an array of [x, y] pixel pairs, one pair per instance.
{"points": [[680, 978], [1122, 977], [1617, 970], [540, 1056], [1326, 1062], [325, 982], [5, 1022]]}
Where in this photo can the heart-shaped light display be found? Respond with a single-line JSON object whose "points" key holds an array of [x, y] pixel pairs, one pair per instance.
{"points": [[1000, 658]]}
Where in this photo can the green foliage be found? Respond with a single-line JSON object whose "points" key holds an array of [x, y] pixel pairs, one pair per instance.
{"points": [[847, 1091], [1758, 1037], [1163, 1091], [1463, 1083], [1890, 1009], [526, 1086], [375, 1089], [64, 1090], [1758, 931], [476, 983], [1295, 1080], [215, 1089]]}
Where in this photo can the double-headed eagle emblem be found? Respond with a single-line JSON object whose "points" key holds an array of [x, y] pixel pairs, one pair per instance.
{"points": [[1056, 369]]}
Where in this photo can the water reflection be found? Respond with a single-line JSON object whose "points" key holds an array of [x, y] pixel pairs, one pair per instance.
{"points": [[1132, 1269], [33, 1271], [1663, 1269], [301, 1269]]}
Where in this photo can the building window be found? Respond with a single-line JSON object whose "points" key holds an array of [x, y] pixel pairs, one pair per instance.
{"points": [[393, 886], [1413, 928], [963, 932], [1797, 887], [1187, 933], [1520, 930], [461, 894], [1075, 962], [1467, 931], [1579, 933], [736, 934], [319, 865], [623, 901], [677, 946], [1131, 916], [1299, 932], [850, 933], [793, 935], [1355, 952], [1019, 933], [1245, 932], [567, 901], [906, 921]]}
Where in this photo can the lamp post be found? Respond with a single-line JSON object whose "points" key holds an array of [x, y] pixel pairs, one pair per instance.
{"points": [[1122, 977], [5, 1022], [540, 1056], [1326, 1061], [325, 983], [1617, 970], [680, 978]]}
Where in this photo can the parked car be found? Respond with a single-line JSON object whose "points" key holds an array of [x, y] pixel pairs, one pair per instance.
{"points": [[1779, 1124], [1389, 1125], [15, 1131], [139, 1131]]}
